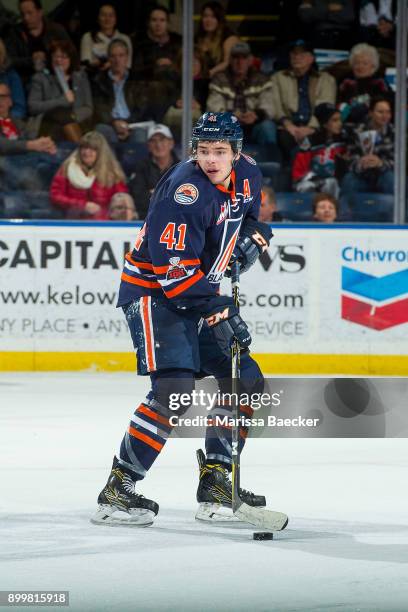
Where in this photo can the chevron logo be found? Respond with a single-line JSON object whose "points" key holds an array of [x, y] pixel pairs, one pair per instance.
{"points": [[378, 302]]}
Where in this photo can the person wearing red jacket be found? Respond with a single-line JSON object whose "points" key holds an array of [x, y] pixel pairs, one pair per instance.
{"points": [[88, 179], [315, 165]]}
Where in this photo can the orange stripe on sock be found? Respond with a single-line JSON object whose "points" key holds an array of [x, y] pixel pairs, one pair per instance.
{"points": [[247, 409], [153, 415], [146, 439]]}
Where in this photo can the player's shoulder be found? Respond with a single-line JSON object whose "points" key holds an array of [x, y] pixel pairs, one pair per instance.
{"points": [[247, 166], [185, 185]]}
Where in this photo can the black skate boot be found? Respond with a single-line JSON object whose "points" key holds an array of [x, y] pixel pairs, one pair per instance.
{"points": [[214, 493], [120, 505]]}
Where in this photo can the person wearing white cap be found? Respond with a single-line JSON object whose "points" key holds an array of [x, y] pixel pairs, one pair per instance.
{"points": [[148, 171]]}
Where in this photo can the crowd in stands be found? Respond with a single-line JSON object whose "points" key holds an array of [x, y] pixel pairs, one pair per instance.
{"points": [[91, 127]]}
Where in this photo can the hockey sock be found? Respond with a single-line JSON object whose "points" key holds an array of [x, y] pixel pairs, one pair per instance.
{"points": [[150, 427], [218, 439]]}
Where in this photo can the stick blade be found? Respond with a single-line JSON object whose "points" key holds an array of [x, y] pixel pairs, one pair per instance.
{"points": [[261, 517]]}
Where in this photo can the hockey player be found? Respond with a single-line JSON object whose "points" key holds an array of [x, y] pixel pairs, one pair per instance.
{"points": [[203, 215]]}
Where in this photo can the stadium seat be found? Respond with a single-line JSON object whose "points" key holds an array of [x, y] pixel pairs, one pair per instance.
{"points": [[27, 205], [344, 209], [263, 153], [375, 207], [15, 205], [295, 206], [128, 155], [271, 173]]}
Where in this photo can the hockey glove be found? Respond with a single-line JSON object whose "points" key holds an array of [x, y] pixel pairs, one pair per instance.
{"points": [[227, 325], [254, 240]]}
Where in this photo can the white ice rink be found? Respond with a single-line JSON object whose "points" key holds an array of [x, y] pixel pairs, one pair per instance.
{"points": [[345, 549]]}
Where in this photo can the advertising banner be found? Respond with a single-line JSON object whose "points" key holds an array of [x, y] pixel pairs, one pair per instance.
{"points": [[320, 300]]}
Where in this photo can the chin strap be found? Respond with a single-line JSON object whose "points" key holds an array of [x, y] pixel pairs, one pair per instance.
{"points": [[234, 161]]}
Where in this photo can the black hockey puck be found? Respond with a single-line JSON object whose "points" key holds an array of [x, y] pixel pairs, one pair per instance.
{"points": [[262, 535]]}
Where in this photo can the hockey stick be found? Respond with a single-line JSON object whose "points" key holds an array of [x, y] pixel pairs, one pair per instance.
{"points": [[260, 517]]}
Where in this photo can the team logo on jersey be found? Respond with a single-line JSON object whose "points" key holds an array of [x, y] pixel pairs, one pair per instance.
{"points": [[176, 269], [249, 159], [186, 194], [230, 234], [224, 213]]}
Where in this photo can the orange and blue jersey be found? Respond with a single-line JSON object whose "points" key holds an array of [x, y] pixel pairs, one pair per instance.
{"points": [[186, 242]]}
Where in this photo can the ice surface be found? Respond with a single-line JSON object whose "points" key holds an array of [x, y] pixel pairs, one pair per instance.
{"points": [[345, 549]]}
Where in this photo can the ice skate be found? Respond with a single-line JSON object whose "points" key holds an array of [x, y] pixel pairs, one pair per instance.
{"points": [[214, 493], [119, 505]]}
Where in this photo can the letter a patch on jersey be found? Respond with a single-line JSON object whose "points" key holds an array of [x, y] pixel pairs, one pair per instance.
{"points": [[247, 190]]}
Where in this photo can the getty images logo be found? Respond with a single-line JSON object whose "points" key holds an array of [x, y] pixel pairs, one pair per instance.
{"points": [[375, 301]]}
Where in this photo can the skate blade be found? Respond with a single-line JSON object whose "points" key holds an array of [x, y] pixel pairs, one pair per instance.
{"points": [[113, 517], [215, 513]]}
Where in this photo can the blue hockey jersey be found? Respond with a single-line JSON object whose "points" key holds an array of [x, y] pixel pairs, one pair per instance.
{"points": [[190, 232]]}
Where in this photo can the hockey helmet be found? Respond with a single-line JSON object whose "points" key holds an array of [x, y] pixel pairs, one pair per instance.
{"points": [[217, 127]]}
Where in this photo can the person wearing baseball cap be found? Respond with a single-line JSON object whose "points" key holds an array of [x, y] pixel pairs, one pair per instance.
{"points": [[241, 49], [147, 172], [296, 93], [301, 46], [324, 112], [244, 91], [159, 128]]}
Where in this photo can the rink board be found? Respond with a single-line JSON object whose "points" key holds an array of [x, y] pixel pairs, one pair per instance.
{"points": [[322, 300]]}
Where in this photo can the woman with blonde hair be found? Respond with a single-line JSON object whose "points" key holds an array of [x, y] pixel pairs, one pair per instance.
{"points": [[87, 180], [9, 77]]}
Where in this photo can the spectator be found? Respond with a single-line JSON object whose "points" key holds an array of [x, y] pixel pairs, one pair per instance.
{"points": [[119, 100], [314, 166], [22, 158], [29, 42], [371, 152], [156, 55], [174, 114], [122, 208], [377, 23], [330, 22], [247, 93], [14, 138], [356, 89], [268, 210], [61, 99], [87, 180], [214, 39], [94, 44], [325, 208], [148, 171], [9, 77], [296, 93]]}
